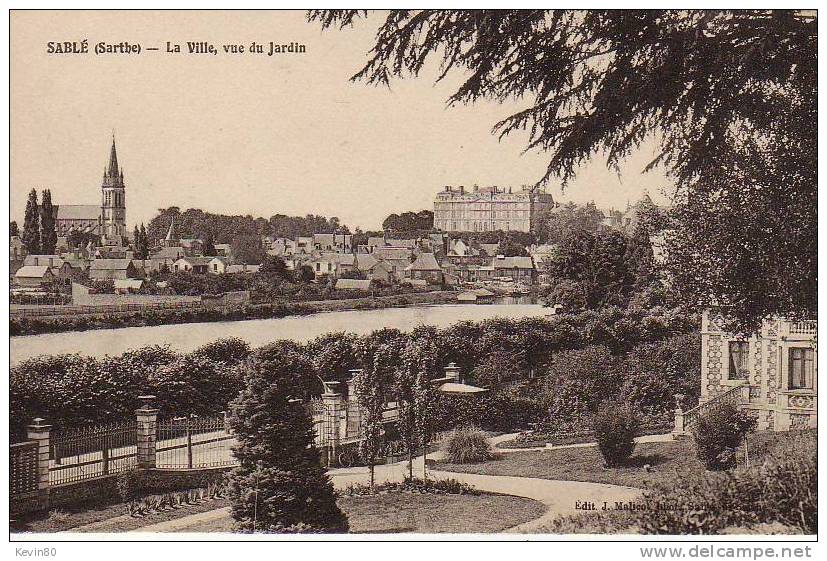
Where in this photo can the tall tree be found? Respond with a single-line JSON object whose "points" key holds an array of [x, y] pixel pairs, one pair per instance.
{"points": [[31, 225], [369, 392], [280, 485], [136, 241], [144, 242], [208, 248], [729, 98], [48, 232]]}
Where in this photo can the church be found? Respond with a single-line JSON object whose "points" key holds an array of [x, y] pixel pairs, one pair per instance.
{"points": [[107, 220]]}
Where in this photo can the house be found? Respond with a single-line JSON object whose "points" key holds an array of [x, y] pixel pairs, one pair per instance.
{"points": [[520, 269], [196, 265], [169, 254], [373, 268], [477, 296], [409, 243], [33, 276], [217, 265], [72, 270], [126, 286], [243, 268], [375, 242], [112, 269], [304, 244], [53, 261], [224, 250], [425, 268], [17, 252], [280, 247], [772, 374], [397, 257], [192, 246], [354, 284], [332, 242]]}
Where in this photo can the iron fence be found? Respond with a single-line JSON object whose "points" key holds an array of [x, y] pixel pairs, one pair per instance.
{"points": [[87, 452], [194, 442], [23, 469]]}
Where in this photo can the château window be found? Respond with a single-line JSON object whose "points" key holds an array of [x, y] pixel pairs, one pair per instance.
{"points": [[738, 351], [801, 368]]}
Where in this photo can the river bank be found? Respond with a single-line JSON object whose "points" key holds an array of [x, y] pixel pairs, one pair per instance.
{"points": [[20, 326]]}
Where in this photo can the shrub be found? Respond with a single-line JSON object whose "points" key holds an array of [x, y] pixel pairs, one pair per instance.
{"points": [[615, 425], [467, 446], [718, 433], [783, 490], [129, 484]]}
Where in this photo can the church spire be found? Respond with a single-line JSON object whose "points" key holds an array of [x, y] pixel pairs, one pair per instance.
{"points": [[113, 160]]}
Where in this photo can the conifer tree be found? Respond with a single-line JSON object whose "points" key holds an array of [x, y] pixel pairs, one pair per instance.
{"points": [[208, 248], [48, 234], [144, 242], [280, 484], [31, 225]]}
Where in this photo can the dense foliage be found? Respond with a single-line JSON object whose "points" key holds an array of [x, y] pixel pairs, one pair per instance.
{"points": [[196, 223], [48, 234], [280, 485], [467, 445], [574, 363], [719, 432], [782, 489], [406, 222], [615, 426]]}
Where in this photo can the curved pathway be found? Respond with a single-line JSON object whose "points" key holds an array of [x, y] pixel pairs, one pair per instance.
{"points": [[559, 497]]}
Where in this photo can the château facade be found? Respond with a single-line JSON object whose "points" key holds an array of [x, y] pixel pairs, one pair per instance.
{"points": [[486, 209]]}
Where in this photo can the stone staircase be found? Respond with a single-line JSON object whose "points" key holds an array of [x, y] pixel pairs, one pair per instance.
{"points": [[684, 420]]}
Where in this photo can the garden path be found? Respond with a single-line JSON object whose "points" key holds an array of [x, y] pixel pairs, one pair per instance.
{"points": [[559, 497]]}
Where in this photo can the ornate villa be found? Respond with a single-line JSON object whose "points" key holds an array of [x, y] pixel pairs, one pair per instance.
{"points": [[772, 373]]}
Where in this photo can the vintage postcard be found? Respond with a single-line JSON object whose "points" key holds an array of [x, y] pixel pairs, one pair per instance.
{"points": [[414, 274]]}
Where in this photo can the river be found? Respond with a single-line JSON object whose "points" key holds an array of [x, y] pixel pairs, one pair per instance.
{"points": [[188, 336]]}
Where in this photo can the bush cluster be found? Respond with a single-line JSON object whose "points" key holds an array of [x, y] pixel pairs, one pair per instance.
{"points": [[782, 489], [449, 486], [718, 433], [467, 446], [615, 426]]}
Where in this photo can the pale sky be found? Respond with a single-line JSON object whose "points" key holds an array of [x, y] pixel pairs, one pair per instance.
{"points": [[253, 134]]}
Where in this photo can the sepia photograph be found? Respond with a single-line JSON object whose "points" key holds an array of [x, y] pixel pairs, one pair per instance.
{"points": [[433, 274]]}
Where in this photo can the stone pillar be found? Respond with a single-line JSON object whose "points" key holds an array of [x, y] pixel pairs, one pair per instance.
{"points": [[680, 423], [333, 402], [147, 417], [38, 432], [452, 373]]}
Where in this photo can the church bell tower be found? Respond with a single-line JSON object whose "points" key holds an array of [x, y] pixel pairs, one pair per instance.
{"points": [[113, 202]]}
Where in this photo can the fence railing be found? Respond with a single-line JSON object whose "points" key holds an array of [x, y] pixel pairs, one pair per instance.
{"points": [[732, 396], [87, 452], [23, 465], [194, 442], [804, 328]]}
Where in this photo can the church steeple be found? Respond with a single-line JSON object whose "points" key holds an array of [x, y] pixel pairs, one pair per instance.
{"points": [[113, 160]]}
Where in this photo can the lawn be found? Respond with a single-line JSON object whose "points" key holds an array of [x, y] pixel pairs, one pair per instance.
{"points": [[422, 513], [666, 459]]}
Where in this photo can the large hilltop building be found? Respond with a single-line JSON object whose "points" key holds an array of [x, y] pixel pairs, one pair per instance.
{"points": [[107, 220], [486, 209]]}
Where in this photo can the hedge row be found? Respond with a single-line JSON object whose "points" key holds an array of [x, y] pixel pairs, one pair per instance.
{"points": [[71, 390]]}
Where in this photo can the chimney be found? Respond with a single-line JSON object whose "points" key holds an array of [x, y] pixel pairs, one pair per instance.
{"points": [[449, 188], [476, 187], [51, 262], [509, 189], [462, 189], [452, 373]]}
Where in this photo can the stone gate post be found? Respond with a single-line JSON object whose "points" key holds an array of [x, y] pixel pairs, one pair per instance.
{"points": [[147, 417], [39, 432], [334, 403]]}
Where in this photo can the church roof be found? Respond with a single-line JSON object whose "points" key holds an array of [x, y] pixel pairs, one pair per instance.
{"points": [[78, 212]]}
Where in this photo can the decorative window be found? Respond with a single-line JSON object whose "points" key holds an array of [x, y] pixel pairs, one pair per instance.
{"points": [[801, 368], [738, 354]]}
